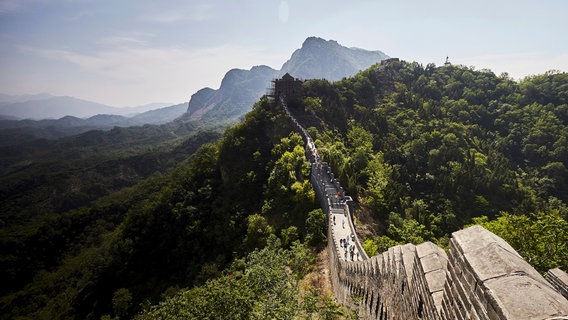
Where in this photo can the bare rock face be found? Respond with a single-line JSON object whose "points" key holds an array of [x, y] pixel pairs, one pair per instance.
{"points": [[240, 89], [321, 59]]}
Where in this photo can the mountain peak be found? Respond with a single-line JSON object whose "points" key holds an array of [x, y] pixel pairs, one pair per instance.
{"points": [[320, 58], [317, 41], [316, 59]]}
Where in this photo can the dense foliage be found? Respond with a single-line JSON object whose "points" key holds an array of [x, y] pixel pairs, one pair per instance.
{"points": [[177, 229], [426, 149], [173, 230], [265, 285]]}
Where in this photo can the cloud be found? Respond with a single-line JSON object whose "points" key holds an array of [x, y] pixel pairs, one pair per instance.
{"points": [[138, 39], [8, 6], [133, 74], [197, 13], [520, 64]]}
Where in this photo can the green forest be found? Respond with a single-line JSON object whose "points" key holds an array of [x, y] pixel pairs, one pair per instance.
{"points": [[429, 150], [228, 224]]}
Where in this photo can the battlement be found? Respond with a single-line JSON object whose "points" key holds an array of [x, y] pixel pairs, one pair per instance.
{"points": [[287, 87], [481, 277]]}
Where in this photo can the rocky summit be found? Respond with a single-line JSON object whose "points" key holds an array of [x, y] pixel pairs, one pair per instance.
{"points": [[316, 59]]}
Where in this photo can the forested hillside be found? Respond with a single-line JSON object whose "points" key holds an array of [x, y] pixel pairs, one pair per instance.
{"points": [[175, 230], [424, 150], [427, 150]]}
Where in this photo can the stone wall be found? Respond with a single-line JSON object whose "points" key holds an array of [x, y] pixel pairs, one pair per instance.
{"points": [[488, 279], [482, 276], [559, 279]]}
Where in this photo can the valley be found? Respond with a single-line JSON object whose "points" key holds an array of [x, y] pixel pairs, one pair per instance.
{"points": [[158, 220]]}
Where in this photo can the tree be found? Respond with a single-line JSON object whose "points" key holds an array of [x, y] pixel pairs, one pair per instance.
{"points": [[316, 227], [121, 302], [258, 231], [289, 235]]}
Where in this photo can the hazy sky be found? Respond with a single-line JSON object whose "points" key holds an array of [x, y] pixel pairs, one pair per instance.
{"points": [[133, 52]]}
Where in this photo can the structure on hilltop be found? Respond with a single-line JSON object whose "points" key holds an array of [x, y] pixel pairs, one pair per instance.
{"points": [[482, 276], [287, 87]]}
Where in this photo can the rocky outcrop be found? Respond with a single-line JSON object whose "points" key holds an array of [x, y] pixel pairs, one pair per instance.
{"points": [[321, 59], [240, 89]]}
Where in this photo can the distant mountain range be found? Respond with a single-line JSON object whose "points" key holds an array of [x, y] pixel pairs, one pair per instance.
{"points": [[71, 125], [239, 90], [45, 106], [316, 59]]}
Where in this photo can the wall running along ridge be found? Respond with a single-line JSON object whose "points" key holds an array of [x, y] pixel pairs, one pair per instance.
{"points": [[482, 277]]}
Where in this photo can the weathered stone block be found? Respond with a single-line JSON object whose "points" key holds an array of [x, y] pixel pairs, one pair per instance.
{"points": [[433, 262], [559, 280], [522, 297], [428, 248], [437, 297], [408, 255], [436, 280]]}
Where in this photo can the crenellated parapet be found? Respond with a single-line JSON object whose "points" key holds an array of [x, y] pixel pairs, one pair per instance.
{"points": [[488, 279], [481, 276]]}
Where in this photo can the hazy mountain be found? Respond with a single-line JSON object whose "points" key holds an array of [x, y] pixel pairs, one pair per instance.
{"points": [[161, 115], [70, 125], [45, 106], [55, 108], [317, 58], [329, 60], [132, 111], [8, 98], [237, 93]]}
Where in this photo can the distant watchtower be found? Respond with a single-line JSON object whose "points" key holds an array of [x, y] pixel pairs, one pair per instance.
{"points": [[287, 87]]}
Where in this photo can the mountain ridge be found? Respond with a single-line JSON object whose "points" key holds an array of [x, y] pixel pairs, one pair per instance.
{"points": [[239, 90], [45, 106], [317, 58], [72, 125], [54, 107]]}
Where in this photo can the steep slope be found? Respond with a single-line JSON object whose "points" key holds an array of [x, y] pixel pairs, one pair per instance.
{"points": [[235, 97], [316, 59], [321, 59], [174, 230], [428, 150], [424, 149]]}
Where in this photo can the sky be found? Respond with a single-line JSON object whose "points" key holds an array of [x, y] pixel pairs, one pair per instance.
{"points": [[135, 52]]}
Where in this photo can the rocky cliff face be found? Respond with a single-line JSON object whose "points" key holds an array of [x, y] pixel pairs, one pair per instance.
{"points": [[238, 92], [316, 59]]}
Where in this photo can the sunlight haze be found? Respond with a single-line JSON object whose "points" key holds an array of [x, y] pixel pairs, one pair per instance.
{"points": [[128, 53]]}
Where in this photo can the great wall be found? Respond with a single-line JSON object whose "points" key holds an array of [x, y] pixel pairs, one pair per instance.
{"points": [[482, 276]]}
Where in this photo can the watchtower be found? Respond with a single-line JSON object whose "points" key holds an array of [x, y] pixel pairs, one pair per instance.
{"points": [[287, 87]]}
